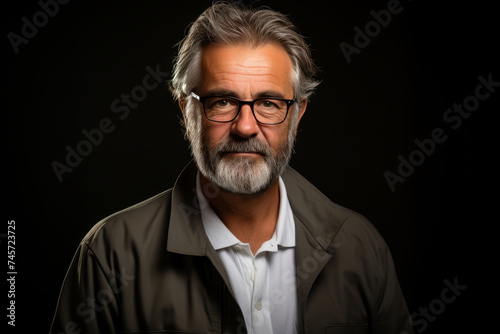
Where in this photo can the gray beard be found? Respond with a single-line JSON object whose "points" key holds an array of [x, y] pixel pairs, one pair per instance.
{"points": [[243, 175]]}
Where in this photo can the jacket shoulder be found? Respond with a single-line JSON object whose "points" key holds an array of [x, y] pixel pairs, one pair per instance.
{"points": [[326, 220], [132, 225], [359, 224]]}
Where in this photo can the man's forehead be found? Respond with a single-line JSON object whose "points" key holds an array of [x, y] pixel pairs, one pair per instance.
{"points": [[266, 64]]}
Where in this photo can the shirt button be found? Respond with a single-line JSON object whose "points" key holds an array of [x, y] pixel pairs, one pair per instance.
{"points": [[258, 305]]}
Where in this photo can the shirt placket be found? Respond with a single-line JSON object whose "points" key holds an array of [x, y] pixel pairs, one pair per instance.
{"points": [[260, 306], [255, 276]]}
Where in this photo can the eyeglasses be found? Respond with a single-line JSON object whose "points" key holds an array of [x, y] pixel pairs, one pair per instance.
{"points": [[225, 109]]}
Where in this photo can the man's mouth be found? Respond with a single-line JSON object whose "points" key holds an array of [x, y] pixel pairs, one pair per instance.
{"points": [[249, 153], [247, 149], [243, 152]]}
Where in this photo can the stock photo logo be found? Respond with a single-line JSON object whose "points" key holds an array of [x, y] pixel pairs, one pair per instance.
{"points": [[121, 107], [453, 118], [363, 37], [31, 26]]}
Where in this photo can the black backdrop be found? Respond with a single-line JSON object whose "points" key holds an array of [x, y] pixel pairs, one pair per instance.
{"points": [[62, 79]]}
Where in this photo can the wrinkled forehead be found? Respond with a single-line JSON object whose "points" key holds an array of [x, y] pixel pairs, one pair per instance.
{"points": [[244, 66]]}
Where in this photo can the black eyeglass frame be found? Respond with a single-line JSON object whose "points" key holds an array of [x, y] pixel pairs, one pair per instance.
{"points": [[241, 103]]}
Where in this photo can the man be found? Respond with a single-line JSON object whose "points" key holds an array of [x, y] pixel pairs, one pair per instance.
{"points": [[241, 243]]}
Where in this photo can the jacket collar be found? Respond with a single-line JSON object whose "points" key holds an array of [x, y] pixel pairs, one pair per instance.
{"points": [[311, 208], [321, 218], [186, 234]]}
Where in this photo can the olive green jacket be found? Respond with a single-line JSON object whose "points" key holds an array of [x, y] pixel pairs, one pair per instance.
{"points": [[151, 269]]}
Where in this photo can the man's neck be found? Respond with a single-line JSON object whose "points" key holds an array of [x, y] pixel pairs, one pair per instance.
{"points": [[251, 218]]}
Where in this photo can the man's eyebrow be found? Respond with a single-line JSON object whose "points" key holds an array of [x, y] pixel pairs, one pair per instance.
{"points": [[269, 93], [230, 93], [222, 92]]}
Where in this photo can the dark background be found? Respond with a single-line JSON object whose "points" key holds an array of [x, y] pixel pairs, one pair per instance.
{"points": [[439, 223]]}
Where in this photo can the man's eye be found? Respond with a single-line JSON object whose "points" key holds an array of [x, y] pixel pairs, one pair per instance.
{"points": [[222, 103], [269, 104]]}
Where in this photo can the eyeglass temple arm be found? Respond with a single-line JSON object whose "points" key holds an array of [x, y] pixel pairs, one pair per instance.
{"points": [[195, 96]]}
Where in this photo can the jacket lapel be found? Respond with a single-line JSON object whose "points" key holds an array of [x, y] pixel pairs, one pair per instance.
{"points": [[317, 222], [186, 234], [310, 259]]}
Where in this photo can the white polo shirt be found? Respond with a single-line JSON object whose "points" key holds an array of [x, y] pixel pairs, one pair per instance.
{"points": [[264, 284]]}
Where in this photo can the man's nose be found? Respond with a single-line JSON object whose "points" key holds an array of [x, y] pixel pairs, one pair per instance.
{"points": [[245, 125]]}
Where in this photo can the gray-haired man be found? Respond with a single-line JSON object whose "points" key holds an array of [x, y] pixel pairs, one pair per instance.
{"points": [[256, 248]]}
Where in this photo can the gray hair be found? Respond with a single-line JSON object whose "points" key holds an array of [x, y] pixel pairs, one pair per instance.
{"points": [[233, 23]]}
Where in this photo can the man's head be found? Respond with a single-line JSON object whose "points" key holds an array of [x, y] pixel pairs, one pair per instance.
{"points": [[244, 54]]}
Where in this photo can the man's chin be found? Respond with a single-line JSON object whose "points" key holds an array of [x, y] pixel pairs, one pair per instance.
{"points": [[243, 161], [243, 175]]}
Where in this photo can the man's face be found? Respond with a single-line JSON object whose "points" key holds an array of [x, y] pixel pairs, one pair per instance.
{"points": [[243, 156]]}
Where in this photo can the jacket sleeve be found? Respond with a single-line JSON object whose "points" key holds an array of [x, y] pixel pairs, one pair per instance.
{"points": [[392, 310], [87, 301]]}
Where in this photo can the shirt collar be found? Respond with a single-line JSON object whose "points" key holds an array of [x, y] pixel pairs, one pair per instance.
{"points": [[220, 236], [285, 227]]}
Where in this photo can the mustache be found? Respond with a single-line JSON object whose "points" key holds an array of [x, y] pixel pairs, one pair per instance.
{"points": [[251, 145]]}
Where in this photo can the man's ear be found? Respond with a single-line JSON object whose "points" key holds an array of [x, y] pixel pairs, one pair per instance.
{"points": [[302, 110]]}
